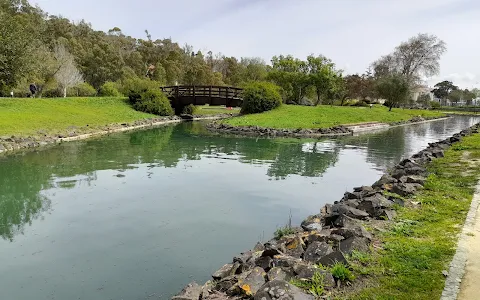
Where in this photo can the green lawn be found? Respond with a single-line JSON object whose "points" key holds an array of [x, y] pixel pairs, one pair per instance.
{"points": [[215, 110], [31, 116], [413, 252], [293, 116]]}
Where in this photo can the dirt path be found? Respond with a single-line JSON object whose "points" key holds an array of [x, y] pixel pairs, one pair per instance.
{"points": [[470, 286]]}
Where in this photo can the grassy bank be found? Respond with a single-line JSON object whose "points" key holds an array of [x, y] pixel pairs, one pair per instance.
{"points": [[292, 116], [29, 116], [411, 254], [215, 110]]}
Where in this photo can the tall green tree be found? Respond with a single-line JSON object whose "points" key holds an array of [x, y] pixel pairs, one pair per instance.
{"points": [[291, 74], [443, 89], [323, 77], [394, 88]]}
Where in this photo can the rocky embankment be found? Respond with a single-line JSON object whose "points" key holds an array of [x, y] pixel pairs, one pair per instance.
{"points": [[265, 272], [306, 133]]}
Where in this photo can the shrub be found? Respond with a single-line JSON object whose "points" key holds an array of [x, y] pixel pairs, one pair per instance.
{"points": [[434, 105], [52, 93], [260, 96], [138, 85], [341, 272], [189, 109], [82, 90], [315, 285], [109, 89], [153, 102], [283, 231]]}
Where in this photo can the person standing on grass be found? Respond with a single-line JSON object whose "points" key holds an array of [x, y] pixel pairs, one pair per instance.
{"points": [[33, 89]]}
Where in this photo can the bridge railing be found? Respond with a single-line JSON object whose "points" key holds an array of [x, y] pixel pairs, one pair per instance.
{"points": [[225, 92]]}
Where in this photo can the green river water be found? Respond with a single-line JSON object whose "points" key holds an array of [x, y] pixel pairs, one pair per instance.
{"points": [[139, 215]]}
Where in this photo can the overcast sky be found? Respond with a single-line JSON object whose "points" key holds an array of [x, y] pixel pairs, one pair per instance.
{"points": [[353, 33]]}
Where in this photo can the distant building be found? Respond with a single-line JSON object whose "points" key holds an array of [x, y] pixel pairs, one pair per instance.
{"points": [[420, 90]]}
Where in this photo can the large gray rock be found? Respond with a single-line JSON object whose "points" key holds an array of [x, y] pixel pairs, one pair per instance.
{"points": [[404, 189], [342, 209], [304, 271], [293, 246], [271, 249], [264, 262], [225, 271], [353, 231], [373, 204], [252, 283], [354, 243], [345, 221], [384, 181], [316, 250], [281, 290], [285, 261], [333, 258], [191, 292], [312, 223], [279, 274], [416, 179]]}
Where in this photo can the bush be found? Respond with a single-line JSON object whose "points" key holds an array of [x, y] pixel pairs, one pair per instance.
{"points": [[82, 90], [189, 109], [434, 105], [52, 93], [109, 89], [136, 86], [152, 102], [260, 96]]}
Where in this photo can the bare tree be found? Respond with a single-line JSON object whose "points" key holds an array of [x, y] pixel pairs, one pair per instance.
{"points": [[415, 58], [67, 75]]}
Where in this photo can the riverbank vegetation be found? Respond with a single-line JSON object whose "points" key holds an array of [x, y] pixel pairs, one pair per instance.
{"points": [[46, 116], [325, 116], [414, 252]]}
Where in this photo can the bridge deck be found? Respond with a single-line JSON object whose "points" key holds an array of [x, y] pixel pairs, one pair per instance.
{"points": [[181, 96]]}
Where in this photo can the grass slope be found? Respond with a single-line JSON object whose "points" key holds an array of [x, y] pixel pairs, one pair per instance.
{"points": [[215, 110], [420, 245], [29, 116], [294, 116]]}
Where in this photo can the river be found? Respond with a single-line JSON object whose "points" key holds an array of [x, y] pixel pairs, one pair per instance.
{"points": [[138, 215]]}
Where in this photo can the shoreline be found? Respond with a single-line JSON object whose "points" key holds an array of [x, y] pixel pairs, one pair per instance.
{"points": [[332, 236], [340, 130], [13, 144]]}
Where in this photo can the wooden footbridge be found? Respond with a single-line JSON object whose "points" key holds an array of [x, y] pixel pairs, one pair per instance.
{"points": [[183, 95]]}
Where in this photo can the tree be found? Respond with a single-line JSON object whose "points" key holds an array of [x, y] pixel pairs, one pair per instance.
{"points": [[476, 92], [468, 96], [360, 86], [424, 99], [16, 49], [67, 75], [291, 74], [322, 76], [443, 89], [455, 96], [394, 88], [415, 58]]}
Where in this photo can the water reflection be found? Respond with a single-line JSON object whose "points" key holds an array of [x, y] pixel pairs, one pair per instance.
{"points": [[23, 177]]}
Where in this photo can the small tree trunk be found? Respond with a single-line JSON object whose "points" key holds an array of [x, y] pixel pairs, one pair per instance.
{"points": [[64, 92], [390, 107], [319, 101]]}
